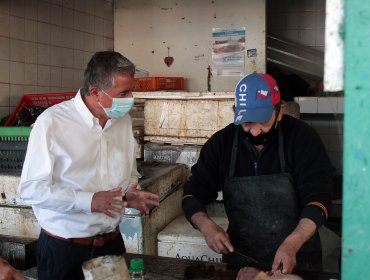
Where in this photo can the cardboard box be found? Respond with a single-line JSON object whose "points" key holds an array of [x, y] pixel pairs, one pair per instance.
{"points": [[180, 240]]}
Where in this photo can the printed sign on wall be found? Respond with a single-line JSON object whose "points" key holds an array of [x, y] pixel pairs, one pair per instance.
{"points": [[228, 51]]}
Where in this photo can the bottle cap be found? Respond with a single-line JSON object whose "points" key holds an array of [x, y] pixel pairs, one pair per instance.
{"points": [[136, 265]]}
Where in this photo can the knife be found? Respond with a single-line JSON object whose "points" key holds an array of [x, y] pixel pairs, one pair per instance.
{"points": [[280, 269], [245, 256]]}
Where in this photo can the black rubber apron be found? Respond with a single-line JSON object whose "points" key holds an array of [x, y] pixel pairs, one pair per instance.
{"points": [[262, 212]]}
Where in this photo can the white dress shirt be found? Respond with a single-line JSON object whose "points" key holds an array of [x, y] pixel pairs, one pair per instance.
{"points": [[69, 158]]}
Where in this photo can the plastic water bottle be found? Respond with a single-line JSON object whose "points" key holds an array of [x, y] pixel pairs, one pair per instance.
{"points": [[137, 269]]}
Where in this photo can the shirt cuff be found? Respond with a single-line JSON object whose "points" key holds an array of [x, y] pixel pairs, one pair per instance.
{"points": [[314, 213], [83, 201]]}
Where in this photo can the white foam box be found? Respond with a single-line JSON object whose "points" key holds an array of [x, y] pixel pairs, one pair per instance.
{"points": [[180, 240], [183, 119], [16, 217]]}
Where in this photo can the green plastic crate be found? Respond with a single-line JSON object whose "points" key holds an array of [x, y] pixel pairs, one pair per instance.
{"points": [[13, 146], [14, 133]]}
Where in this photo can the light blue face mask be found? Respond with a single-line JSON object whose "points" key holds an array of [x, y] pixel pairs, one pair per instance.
{"points": [[120, 107]]}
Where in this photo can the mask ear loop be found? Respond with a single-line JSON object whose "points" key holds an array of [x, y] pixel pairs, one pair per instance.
{"points": [[106, 95]]}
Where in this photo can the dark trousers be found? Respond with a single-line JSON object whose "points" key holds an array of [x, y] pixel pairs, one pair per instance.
{"points": [[58, 259]]}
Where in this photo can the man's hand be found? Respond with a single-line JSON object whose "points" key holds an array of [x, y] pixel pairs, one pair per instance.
{"points": [[285, 256], [108, 202], [7, 272], [140, 200], [217, 239], [286, 253]]}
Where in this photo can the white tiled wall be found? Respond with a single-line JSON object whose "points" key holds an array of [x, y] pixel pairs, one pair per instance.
{"points": [[320, 105], [301, 21], [330, 129], [45, 45], [325, 115]]}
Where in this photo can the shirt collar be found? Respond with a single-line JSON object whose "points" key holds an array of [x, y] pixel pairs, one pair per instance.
{"points": [[85, 113]]}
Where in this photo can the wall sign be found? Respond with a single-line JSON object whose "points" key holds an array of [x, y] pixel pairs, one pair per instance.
{"points": [[228, 51]]}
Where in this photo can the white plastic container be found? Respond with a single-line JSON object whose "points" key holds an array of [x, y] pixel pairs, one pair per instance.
{"points": [[180, 240]]}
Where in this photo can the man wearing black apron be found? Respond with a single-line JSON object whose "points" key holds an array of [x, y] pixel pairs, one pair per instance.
{"points": [[275, 177]]}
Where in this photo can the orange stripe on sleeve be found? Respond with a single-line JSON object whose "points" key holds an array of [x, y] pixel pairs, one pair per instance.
{"points": [[321, 206]]}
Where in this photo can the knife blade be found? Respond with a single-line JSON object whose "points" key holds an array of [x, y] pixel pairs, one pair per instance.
{"points": [[245, 256]]}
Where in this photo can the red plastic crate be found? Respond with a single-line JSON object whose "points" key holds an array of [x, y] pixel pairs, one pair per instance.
{"points": [[38, 100], [158, 83]]}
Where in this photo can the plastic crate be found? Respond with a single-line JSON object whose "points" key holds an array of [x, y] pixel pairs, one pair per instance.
{"points": [[13, 146], [38, 100], [158, 83]]}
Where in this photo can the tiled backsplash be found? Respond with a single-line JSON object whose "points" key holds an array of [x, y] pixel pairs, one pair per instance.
{"points": [[325, 115], [301, 21], [45, 45], [330, 129], [320, 105]]}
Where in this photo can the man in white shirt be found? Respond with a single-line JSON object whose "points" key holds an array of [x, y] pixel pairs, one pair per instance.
{"points": [[80, 170]]}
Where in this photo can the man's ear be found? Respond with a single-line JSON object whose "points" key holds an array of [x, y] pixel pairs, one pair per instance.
{"points": [[94, 91], [281, 112]]}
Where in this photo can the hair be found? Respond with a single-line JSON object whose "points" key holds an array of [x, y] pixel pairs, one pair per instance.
{"points": [[102, 68], [278, 105]]}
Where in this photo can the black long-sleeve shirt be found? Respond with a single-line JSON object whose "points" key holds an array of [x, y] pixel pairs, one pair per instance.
{"points": [[305, 156]]}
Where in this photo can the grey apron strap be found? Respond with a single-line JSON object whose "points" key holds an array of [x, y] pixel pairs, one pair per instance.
{"points": [[281, 149], [234, 152]]}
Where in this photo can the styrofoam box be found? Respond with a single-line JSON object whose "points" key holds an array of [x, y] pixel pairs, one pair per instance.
{"points": [[180, 240]]}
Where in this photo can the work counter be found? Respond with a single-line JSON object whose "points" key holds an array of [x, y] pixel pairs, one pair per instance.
{"points": [[163, 268]]}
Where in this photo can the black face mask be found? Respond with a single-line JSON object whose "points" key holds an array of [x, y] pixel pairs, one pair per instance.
{"points": [[262, 138]]}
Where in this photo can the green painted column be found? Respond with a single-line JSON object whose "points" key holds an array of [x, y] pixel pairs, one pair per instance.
{"points": [[356, 168]]}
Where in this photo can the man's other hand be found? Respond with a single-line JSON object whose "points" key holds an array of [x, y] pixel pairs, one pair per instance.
{"points": [[140, 200], [7, 272]]}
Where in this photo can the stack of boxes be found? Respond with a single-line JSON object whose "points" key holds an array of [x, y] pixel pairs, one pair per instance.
{"points": [[176, 125], [137, 117]]}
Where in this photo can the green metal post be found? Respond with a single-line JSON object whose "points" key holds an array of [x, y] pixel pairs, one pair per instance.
{"points": [[356, 197]]}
